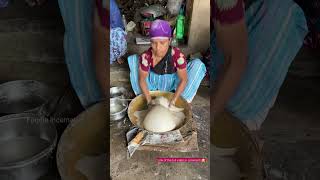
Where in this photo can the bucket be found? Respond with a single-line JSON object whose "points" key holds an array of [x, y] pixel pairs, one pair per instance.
{"points": [[229, 132], [26, 142]]}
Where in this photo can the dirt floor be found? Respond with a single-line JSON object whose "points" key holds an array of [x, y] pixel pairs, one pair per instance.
{"points": [[292, 131]]}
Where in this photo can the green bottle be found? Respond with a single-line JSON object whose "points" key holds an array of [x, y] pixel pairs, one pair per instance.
{"points": [[180, 25]]}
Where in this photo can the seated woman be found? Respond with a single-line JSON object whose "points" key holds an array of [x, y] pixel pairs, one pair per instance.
{"points": [[165, 68], [252, 48]]}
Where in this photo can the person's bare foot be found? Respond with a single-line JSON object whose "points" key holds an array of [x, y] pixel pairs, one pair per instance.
{"points": [[120, 61], [33, 3]]}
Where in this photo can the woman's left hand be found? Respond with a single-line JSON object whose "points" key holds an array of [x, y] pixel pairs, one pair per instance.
{"points": [[172, 102]]}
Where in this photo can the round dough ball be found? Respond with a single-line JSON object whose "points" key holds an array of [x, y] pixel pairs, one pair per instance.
{"points": [[179, 118], [159, 119]]}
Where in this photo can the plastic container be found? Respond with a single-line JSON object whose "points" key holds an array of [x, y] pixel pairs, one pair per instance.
{"points": [[180, 25]]}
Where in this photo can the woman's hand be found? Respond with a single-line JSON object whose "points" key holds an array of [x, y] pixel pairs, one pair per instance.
{"points": [[149, 99], [143, 85], [172, 102]]}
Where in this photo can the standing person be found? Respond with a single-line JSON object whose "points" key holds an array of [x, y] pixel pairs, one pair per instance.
{"points": [[85, 48], [118, 42]]}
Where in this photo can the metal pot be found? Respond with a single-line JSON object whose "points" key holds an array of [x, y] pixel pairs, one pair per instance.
{"points": [[118, 109], [24, 96], [139, 103], [155, 10], [249, 155], [117, 92], [86, 136], [27, 143]]}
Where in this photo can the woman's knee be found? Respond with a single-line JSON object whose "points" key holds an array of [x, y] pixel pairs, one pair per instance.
{"points": [[196, 62], [198, 65]]}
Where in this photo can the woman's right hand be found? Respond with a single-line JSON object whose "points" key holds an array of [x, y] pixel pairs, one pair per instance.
{"points": [[143, 85], [149, 99]]}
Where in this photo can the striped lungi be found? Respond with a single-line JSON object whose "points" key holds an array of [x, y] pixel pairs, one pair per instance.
{"points": [[196, 71], [276, 32]]}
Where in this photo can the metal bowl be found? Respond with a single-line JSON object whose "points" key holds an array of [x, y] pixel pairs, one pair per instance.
{"points": [[117, 92], [24, 96], [86, 136], [249, 156], [118, 109], [27, 142]]}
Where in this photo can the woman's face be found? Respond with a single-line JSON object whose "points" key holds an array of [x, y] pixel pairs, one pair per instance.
{"points": [[160, 46]]}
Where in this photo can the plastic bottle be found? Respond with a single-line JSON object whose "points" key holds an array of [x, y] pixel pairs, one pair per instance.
{"points": [[180, 25], [124, 22], [174, 41]]}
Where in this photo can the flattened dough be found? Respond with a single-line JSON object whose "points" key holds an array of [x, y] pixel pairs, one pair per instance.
{"points": [[159, 119]]}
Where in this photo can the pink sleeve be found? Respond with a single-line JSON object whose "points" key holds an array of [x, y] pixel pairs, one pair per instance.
{"points": [[144, 62], [179, 59], [227, 11]]}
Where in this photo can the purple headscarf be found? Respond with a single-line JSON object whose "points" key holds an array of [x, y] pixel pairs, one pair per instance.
{"points": [[160, 29]]}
